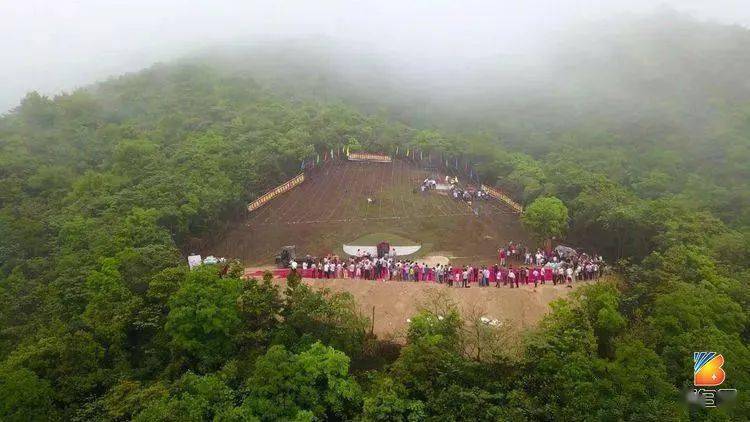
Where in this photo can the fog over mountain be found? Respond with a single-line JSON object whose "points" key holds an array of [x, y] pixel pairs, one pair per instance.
{"points": [[437, 51], [666, 67]]}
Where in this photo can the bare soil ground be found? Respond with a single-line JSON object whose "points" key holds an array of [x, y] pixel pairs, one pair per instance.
{"points": [[330, 208], [394, 302]]}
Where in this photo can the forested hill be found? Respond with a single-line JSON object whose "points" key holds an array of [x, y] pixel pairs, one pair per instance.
{"points": [[101, 320], [661, 104], [665, 68]]}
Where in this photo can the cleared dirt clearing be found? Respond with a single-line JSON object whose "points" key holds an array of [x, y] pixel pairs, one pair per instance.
{"points": [[395, 302], [330, 209]]}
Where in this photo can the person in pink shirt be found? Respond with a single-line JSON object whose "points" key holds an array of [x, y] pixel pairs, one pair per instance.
{"points": [[548, 274]]}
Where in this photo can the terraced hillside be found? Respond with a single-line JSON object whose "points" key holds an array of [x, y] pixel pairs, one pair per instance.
{"points": [[331, 208]]}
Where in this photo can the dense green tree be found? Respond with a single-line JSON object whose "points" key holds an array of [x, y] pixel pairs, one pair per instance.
{"points": [[259, 307], [23, 396], [192, 398], [111, 305], [312, 315], [73, 364], [388, 400], [317, 381], [203, 317], [546, 218]]}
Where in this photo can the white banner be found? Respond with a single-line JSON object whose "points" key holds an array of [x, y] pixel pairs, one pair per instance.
{"points": [[366, 156]]}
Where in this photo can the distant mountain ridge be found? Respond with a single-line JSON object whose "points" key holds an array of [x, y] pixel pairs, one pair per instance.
{"points": [[660, 66]]}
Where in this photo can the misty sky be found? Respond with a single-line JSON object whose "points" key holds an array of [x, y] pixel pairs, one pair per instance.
{"points": [[54, 45]]}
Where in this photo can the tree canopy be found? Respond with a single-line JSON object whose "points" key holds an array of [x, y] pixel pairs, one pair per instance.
{"points": [[546, 218], [102, 190]]}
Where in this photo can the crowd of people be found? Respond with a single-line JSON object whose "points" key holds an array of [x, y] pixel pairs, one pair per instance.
{"points": [[458, 193], [469, 194], [516, 266]]}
